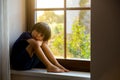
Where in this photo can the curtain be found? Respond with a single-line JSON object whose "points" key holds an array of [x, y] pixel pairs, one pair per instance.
{"points": [[4, 42]]}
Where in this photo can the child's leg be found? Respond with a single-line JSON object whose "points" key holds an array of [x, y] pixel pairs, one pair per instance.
{"points": [[50, 56], [44, 59]]}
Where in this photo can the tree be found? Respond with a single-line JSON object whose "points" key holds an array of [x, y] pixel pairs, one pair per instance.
{"points": [[79, 43], [56, 23], [50, 17]]}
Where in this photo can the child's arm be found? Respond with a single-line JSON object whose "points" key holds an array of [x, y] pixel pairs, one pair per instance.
{"points": [[32, 45], [33, 42]]}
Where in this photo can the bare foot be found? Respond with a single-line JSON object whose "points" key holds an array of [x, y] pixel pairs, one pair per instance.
{"points": [[54, 68], [61, 67]]}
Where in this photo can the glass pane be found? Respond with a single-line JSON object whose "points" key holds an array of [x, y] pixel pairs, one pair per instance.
{"points": [[49, 3], [56, 21], [78, 3], [78, 34]]}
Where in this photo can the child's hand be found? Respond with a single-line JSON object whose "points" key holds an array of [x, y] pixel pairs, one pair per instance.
{"points": [[40, 42], [34, 42]]}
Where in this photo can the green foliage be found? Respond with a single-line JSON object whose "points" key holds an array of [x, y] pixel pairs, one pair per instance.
{"points": [[78, 45], [50, 17], [79, 42], [57, 41], [83, 2]]}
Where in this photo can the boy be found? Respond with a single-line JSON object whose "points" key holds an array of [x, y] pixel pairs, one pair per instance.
{"points": [[29, 48]]}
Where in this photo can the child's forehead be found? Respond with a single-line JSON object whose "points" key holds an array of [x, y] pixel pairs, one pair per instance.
{"points": [[40, 33]]}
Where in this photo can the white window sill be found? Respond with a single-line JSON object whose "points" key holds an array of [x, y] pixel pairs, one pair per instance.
{"points": [[42, 74]]}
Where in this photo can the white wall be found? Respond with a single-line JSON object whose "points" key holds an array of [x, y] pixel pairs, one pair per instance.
{"points": [[16, 16], [12, 24], [105, 63]]}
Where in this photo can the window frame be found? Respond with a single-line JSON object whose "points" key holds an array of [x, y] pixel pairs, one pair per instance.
{"points": [[71, 64]]}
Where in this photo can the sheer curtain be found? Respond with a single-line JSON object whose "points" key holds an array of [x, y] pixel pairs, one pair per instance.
{"points": [[4, 42]]}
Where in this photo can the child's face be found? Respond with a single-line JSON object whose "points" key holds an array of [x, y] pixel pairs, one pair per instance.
{"points": [[37, 36]]}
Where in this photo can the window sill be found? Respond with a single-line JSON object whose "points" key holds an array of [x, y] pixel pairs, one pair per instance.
{"points": [[37, 74]]}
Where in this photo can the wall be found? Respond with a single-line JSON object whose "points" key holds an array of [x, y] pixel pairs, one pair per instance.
{"points": [[16, 16], [12, 24], [105, 63]]}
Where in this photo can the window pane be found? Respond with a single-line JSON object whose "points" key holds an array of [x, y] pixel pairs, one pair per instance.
{"points": [[49, 3], [78, 34], [56, 21], [78, 3]]}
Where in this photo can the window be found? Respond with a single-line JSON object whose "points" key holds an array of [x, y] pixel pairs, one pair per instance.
{"points": [[70, 24]]}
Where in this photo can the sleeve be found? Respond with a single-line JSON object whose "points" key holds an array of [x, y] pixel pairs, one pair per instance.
{"points": [[25, 36], [22, 40]]}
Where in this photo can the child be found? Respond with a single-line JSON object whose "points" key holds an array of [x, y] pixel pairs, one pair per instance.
{"points": [[29, 48]]}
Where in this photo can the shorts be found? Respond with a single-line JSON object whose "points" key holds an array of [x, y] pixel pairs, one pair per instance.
{"points": [[24, 62], [21, 60]]}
